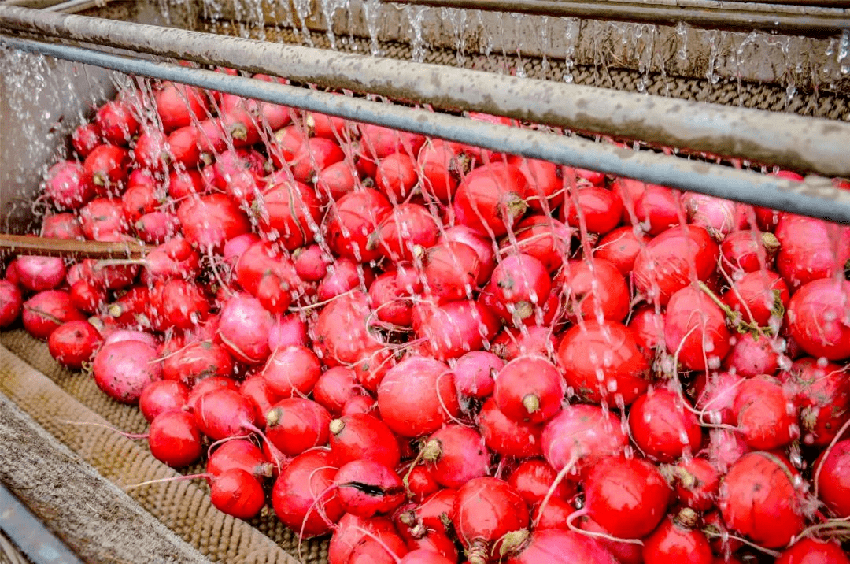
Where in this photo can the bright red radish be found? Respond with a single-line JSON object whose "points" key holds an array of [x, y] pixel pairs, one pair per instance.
{"points": [[151, 151], [598, 208], [304, 496], [452, 329], [11, 303], [546, 239], [107, 168], [529, 389], [748, 250], [809, 550], [209, 221], [391, 295], [760, 499], [237, 493], [396, 176], [178, 104], [337, 180], [823, 395], [313, 156], [117, 123], [766, 415], [296, 424], [366, 487], [758, 297], [292, 371], [475, 373], [579, 437], [505, 436], [206, 386], [561, 547], [161, 396], [175, 439], [751, 355], [454, 455], [197, 361], [46, 311], [37, 273], [242, 454], [417, 396], [533, 478], [534, 340], [491, 198], [339, 334], [289, 213], [663, 427], [626, 496], [647, 326], [62, 226], [621, 247], [517, 287], [695, 330], [440, 166], [426, 556], [696, 482], [335, 387], [657, 209], [810, 249], [451, 271], [352, 220], [350, 531], [675, 540], [255, 388], [405, 233], [85, 138], [593, 289], [74, 343], [382, 142], [603, 361], [489, 518], [183, 304], [483, 247], [244, 329], [101, 218], [833, 480], [363, 436], [67, 185], [818, 318]]}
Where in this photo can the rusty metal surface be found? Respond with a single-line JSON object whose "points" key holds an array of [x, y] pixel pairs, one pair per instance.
{"points": [[815, 197], [794, 142]]}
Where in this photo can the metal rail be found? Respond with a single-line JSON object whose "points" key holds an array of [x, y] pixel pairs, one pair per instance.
{"points": [[786, 140], [816, 197], [716, 15]]}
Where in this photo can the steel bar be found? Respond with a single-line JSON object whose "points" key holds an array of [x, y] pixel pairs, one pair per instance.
{"points": [[68, 248], [815, 197], [722, 16], [786, 140]]}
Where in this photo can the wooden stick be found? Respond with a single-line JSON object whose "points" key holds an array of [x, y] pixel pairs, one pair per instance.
{"points": [[68, 248]]}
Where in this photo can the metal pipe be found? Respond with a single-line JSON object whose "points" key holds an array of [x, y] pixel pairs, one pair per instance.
{"points": [[718, 16], [786, 140], [815, 197]]}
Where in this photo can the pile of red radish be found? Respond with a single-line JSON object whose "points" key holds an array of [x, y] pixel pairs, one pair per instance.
{"points": [[438, 353]]}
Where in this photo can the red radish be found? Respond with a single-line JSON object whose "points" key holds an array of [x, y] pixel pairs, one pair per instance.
{"points": [[161, 396], [184, 145], [628, 497], [107, 168], [383, 142], [311, 263], [809, 550], [303, 496], [288, 331], [553, 515], [505, 436], [174, 258], [62, 226], [37, 273], [257, 391], [212, 139], [439, 166], [157, 227], [151, 151], [335, 387], [437, 511], [545, 190], [420, 483], [313, 156], [451, 271], [760, 499], [600, 208], [663, 427], [339, 334], [810, 249], [594, 289], [237, 493], [725, 448], [529, 389], [405, 233], [142, 196], [489, 518], [621, 247], [425, 556], [224, 413], [533, 478], [184, 183], [287, 143], [183, 304], [832, 481], [758, 297], [178, 105], [74, 343], [46, 311], [491, 198], [117, 123], [119, 335], [289, 212], [236, 247], [657, 209], [672, 259], [648, 329], [717, 397], [350, 531], [206, 386], [296, 424], [264, 272], [766, 415], [242, 454], [602, 362], [352, 220], [396, 176], [11, 303], [197, 361], [123, 369], [85, 138], [518, 285], [751, 355], [749, 251], [329, 127], [12, 272], [337, 180], [292, 371], [174, 439], [244, 329], [696, 482], [484, 248], [546, 239], [366, 487], [454, 328], [475, 373], [717, 215], [515, 342], [391, 295], [675, 540], [818, 318], [580, 436], [67, 185], [454, 455], [695, 330], [624, 552], [209, 221], [102, 218], [343, 276], [385, 548], [561, 547], [362, 436], [417, 396], [823, 395]]}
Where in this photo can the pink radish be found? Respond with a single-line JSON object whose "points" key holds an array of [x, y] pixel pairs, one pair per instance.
{"points": [[67, 186], [751, 356], [396, 176], [62, 226], [288, 331], [244, 329], [535, 340], [11, 303], [85, 138], [123, 369], [810, 249], [161, 396], [475, 373], [211, 220], [37, 273], [197, 361], [343, 276], [46, 311], [335, 387], [223, 413]]}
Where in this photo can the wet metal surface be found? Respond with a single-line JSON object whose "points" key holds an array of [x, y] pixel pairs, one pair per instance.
{"points": [[790, 141], [815, 197]]}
